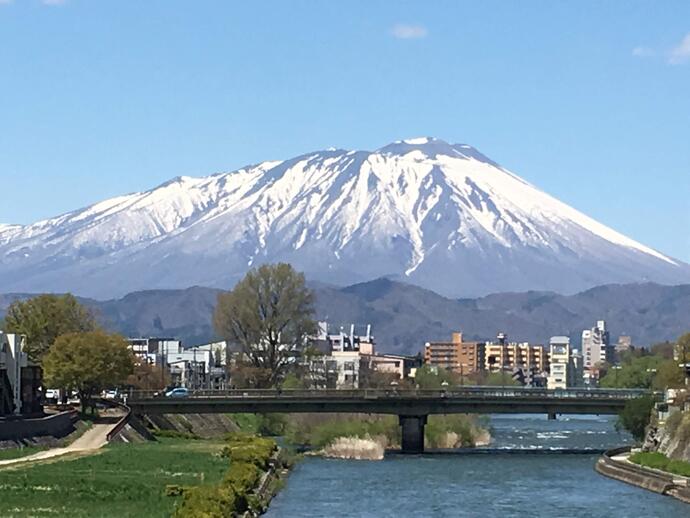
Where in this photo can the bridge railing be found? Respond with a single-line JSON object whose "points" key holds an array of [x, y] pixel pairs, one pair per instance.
{"points": [[481, 392]]}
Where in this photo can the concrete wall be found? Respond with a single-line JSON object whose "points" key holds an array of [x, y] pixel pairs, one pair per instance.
{"points": [[650, 479], [57, 425]]}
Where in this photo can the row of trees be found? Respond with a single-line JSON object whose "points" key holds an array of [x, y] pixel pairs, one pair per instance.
{"points": [[65, 339], [655, 368]]}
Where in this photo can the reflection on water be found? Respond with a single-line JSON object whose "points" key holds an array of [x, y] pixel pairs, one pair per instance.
{"points": [[554, 485]]}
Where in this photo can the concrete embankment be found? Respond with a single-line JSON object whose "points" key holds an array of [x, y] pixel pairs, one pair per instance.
{"points": [[614, 464]]}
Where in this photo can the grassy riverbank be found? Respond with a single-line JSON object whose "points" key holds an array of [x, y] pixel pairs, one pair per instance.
{"points": [[124, 480], [662, 462]]}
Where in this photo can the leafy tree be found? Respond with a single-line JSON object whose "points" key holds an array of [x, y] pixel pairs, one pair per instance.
{"points": [[269, 315], [88, 363], [638, 373], [669, 375], [45, 317], [433, 378], [635, 416]]}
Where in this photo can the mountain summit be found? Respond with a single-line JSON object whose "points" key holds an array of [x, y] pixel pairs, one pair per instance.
{"points": [[439, 215]]}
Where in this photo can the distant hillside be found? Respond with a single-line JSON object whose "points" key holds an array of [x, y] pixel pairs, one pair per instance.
{"points": [[403, 316]]}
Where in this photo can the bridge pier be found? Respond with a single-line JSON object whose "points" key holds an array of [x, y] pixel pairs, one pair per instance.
{"points": [[412, 433]]}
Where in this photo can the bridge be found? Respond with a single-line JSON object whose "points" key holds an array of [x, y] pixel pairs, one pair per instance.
{"points": [[411, 406]]}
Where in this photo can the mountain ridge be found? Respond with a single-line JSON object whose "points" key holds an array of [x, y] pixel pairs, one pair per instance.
{"points": [[404, 316], [442, 216]]}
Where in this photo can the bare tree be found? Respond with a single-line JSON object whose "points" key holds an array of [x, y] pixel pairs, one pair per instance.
{"points": [[269, 315]]}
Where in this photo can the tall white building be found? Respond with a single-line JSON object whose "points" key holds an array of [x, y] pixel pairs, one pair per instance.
{"points": [[596, 347]]}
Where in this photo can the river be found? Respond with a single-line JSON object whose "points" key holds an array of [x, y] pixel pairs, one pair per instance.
{"points": [[539, 482]]}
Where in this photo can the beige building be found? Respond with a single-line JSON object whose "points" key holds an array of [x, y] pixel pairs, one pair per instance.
{"points": [[566, 364], [512, 356]]}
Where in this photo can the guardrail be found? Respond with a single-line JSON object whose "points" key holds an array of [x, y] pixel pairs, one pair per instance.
{"points": [[123, 420], [394, 393]]}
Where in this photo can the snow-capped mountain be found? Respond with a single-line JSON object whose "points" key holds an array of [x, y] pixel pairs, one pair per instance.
{"points": [[439, 215]]}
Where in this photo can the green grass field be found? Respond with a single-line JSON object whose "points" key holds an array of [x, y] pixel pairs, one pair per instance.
{"points": [[124, 480], [15, 453]]}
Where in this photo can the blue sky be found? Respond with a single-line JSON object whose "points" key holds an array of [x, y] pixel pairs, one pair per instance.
{"points": [[590, 101]]}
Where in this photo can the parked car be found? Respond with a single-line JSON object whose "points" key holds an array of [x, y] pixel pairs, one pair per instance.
{"points": [[178, 392], [52, 395], [110, 394]]}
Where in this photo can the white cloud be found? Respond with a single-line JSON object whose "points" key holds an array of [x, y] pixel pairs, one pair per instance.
{"points": [[681, 53], [408, 32], [643, 52]]}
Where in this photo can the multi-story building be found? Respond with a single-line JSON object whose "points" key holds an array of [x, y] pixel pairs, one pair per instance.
{"points": [[402, 366], [596, 348], [203, 366], [529, 358], [343, 357], [559, 362], [461, 357], [154, 350], [623, 345], [20, 379], [565, 364]]}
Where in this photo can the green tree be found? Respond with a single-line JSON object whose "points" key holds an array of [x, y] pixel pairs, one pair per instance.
{"points": [[45, 317], [669, 374], [637, 373], [498, 379], [88, 363], [433, 378], [635, 416], [269, 315]]}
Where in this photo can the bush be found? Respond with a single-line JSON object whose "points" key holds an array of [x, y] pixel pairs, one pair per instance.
{"points": [[174, 434], [635, 416], [662, 462], [249, 456], [208, 502]]}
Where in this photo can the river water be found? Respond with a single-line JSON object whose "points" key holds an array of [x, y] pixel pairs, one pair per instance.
{"points": [[539, 481]]}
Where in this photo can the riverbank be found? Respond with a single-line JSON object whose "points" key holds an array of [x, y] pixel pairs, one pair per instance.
{"points": [[616, 464], [120, 480], [256, 465]]}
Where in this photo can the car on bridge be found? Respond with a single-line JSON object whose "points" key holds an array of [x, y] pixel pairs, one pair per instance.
{"points": [[178, 392]]}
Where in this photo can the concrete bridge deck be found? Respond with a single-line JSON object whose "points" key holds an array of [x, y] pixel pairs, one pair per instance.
{"points": [[483, 400]]}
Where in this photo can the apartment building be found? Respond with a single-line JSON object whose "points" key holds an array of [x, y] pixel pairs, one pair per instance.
{"points": [[513, 356], [596, 348], [565, 364], [459, 356]]}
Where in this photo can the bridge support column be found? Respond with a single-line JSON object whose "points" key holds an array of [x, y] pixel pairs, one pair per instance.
{"points": [[412, 433], [552, 416]]}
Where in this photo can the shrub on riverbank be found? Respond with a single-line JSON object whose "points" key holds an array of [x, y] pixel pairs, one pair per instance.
{"points": [[662, 462], [249, 458]]}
